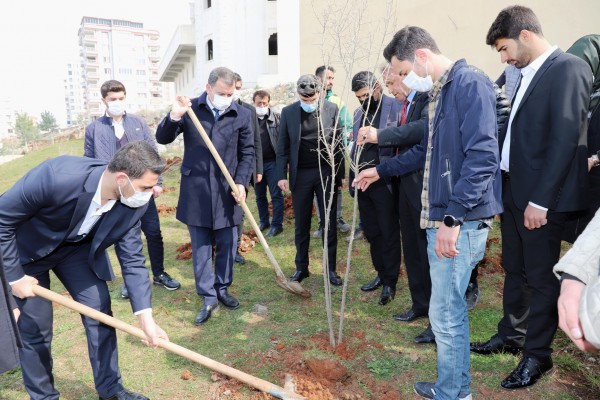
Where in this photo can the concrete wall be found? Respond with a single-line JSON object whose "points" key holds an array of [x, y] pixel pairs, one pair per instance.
{"points": [[459, 28]]}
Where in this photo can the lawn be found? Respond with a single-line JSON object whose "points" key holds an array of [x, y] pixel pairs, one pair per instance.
{"points": [[377, 360]]}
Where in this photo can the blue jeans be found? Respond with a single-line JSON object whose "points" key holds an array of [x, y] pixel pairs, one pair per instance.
{"points": [[269, 179], [448, 308]]}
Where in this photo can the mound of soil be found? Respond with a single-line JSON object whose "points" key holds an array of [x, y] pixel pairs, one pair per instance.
{"points": [[164, 209]]}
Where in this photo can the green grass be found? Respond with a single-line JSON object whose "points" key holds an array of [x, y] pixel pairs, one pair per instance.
{"points": [[384, 351]]}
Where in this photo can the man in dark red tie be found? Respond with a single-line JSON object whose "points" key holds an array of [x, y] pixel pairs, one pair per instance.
{"points": [[409, 132]]}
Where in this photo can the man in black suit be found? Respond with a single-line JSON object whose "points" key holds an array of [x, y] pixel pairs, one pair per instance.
{"points": [[377, 205], [544, 167], [306, 127], [61, 217], [408, 132]]}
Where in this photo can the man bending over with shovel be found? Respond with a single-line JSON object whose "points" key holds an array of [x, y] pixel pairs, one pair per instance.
{"points": [[62, 216]]}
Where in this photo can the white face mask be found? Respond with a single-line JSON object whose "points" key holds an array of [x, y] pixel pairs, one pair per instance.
{"points": [[262, 111], [116, 107], [418, 83], [138, 199], [221, 103], [236, 94]]}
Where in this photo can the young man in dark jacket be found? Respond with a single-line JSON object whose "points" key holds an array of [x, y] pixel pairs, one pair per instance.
{"points": [[461, 191]]}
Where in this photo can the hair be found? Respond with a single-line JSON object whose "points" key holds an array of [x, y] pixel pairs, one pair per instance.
{"points": [[408, 40], [261, 93], [112, 86], [237, 77], [510, 22], [135, 159], [364, 79], [320, 71], [222, 73]]}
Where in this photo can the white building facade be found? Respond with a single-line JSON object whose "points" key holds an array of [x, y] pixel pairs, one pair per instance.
{"points": [[74, 95], [125, 51], [241, 35]]}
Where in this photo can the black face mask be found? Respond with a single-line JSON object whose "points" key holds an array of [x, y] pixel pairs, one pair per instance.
{"points": [[371, 103]]}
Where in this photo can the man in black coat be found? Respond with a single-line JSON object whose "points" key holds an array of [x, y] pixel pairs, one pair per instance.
{"points": [[206, 202], [544, 169], [62, 216], [306, 126]]}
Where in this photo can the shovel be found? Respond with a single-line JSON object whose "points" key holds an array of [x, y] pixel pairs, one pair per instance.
{"points": [[260, 384], [293, 287]]}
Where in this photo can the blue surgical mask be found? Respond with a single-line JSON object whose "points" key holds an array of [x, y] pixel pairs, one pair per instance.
{"points": [[309, 107]]}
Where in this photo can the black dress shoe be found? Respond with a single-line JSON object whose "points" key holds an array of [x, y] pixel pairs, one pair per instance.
{"points": [[426, 336], [274, 231], [239, 259], [527, 373], [387, 295], [374, 284], [229, 301], [205, 313], [299, 276], [262, 226], [335, 279], [410, 315], [125, 395], [493, 346]]}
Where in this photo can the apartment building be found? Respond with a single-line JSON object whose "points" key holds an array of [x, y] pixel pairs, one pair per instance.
{"points": [[74, 95], [125, 51]]}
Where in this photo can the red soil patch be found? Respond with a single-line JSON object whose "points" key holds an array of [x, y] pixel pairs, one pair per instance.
{"points": [[248, 241], [184, 252], [171, 163], [164, 209]]}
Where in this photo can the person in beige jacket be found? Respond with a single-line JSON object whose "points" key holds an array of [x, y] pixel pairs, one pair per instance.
{"points": [[579, 301]]}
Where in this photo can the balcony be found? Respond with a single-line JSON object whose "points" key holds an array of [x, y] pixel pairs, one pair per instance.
{"points": [[181, 51]]}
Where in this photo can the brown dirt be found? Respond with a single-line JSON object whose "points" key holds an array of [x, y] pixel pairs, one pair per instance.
{"points": [[249, 240], [492, 261], [164, 209], [171, 163]]}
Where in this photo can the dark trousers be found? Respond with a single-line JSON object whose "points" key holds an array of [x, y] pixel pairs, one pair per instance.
{"points": [[156, 248], [308, 184], [211, 284], [414, 244], [379, 216], [260, 189], [70, 264], [530, 288]]}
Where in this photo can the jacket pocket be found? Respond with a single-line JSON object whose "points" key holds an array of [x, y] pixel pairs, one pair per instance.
{"points": [[185, 170], [447, 175]]}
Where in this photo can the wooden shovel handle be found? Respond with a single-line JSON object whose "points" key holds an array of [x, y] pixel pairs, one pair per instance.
{"points": [[260, 384]]}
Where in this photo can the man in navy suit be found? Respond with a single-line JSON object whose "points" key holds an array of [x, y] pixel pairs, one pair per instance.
{"points": [[61, 217], [544, 169], [377, 205], [206, 203], [305, 127]]}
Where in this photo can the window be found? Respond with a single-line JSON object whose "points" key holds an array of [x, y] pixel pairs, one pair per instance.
{"points": [[209, 50], [207, 4], [273, 44], [140, 72]]}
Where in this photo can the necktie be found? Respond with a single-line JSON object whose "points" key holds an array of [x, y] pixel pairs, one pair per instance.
{"points": [[403, 114], [216, 113]]}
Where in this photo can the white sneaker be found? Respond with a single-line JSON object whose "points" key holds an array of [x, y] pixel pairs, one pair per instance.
{"points": [[589, 312]]}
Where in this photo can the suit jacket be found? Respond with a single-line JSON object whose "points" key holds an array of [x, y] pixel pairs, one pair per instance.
{"points": [[288, 146], [548, 154], [9, 332], [257, 167], [100, 140], [40, 211], [205, 198], [390, 110], [404, 137]]}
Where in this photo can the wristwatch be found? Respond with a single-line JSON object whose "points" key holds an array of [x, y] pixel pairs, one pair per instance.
{"points": [[451, 222]]}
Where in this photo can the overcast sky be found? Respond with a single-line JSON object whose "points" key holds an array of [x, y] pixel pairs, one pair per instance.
{"points": [[39, 37]]}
